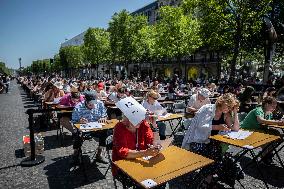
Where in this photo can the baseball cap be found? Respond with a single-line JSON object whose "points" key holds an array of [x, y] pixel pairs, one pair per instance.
{"points": [[101, 86], [204, 92], [91, 97]]}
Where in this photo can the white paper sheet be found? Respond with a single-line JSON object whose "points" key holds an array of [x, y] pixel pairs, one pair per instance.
{"points": [[240, 135], [91, 125], [149, 183], [165, 116]]}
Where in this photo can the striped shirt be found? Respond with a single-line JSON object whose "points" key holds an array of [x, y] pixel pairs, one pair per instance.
{"points": [[81, 111]]}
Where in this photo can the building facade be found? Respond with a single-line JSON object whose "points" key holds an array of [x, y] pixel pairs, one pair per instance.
{"points": [[75, 41], [202, 64]]}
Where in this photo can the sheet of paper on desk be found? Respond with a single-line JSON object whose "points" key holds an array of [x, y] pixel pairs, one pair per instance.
{"points": [[149, 183], [165, 116], [91, 125], [240, 135]]}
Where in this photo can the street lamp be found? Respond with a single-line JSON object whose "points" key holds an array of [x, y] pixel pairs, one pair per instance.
{"points": [[20, 62]]}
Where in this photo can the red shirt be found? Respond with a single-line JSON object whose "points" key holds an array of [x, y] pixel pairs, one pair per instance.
{"points": [[124, 140]]}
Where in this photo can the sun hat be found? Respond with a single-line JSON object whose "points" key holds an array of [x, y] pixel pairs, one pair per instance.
{"points": [[58, 85], [204, 92]]}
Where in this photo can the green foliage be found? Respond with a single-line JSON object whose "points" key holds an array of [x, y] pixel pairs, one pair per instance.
{"points": [[4, 69], [71, 57], [129, 39], [177, 34], [96, 46], [144, 43], [228, 24]]}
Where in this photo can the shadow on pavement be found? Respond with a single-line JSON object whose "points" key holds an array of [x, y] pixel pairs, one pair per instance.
{"points": [[52, 142], [59, 174], [273, 174]]}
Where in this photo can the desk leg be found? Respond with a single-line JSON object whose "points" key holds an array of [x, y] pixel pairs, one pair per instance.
{"points": [[276, 152], [174, 129], [258, 168]]}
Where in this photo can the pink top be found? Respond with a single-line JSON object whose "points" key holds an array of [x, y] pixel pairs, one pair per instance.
{"points": [[66, 100]]}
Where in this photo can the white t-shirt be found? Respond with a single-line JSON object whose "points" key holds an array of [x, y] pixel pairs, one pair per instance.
{"points": [[195, 103], [156, 108]]}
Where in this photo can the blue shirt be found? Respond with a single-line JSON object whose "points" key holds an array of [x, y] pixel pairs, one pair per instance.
{"points": [[81, 111]]}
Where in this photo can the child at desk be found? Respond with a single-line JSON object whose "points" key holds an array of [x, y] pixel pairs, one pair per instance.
{"points": [[258, 119]]}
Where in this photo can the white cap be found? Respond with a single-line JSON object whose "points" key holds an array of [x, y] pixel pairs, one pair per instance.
{"points": [[204, 92]]}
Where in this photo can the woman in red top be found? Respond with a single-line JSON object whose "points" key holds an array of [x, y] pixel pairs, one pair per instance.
{"points": [[130, 142]]}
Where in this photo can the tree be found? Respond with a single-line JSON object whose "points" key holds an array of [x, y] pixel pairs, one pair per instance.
{"points": [[228, 23], [124, 30], [96, 46], [177, 34], [71, 57]]}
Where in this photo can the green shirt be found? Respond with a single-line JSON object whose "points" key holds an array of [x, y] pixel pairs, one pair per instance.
{"points": [[250, 122]]}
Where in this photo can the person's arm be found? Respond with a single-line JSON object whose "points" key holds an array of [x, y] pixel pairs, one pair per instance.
{"points": [[235, 124], [220, 127], [190, 108], [266, 122], [120, 143]]}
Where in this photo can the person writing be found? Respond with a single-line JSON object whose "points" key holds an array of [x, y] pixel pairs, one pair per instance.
{"points": [[130, 142], [90, 110], [258, 119]]}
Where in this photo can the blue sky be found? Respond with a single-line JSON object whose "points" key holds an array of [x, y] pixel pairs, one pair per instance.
{"points": [[34, 29]]}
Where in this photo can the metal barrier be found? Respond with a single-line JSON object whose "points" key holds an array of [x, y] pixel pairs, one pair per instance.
{"points": [[36, 159]]}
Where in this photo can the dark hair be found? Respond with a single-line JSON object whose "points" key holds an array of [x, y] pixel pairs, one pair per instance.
{"points": [[268, 100], [75, 95], [122, 90]]}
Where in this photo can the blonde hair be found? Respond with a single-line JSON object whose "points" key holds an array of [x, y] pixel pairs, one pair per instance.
{"points": [[153, 94], [228, 99]]}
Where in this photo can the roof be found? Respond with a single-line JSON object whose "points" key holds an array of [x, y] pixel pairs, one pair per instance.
{"points": [[147, 7]]}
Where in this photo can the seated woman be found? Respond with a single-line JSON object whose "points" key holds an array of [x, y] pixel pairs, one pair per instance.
{"points": [[259, 118], [130, 142], [197, 136], [153, 106], [70, 100]]}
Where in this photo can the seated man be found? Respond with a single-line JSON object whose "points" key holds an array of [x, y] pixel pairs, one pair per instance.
{"points": [[113, 98], [90, 110], [196, 101]]}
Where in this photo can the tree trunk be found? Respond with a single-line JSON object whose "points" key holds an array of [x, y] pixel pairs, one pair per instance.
{"points": [[237, 45]]}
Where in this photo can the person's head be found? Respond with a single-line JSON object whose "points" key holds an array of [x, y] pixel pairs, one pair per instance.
{"points": [[226, 103], [269, 104], [75, 97], [57, 86], [271, 91], [126, 122], [90, 100], [121, 92], [203, 94], [99, 87], [152, 96]]}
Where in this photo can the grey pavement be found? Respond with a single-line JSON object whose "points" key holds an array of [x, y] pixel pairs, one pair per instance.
{"points": [[55, 171]]}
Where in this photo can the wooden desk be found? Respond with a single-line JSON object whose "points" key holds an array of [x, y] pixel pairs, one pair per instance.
{"points": [[110, 124], [169, 164], [170, 118], [255, 140]]}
